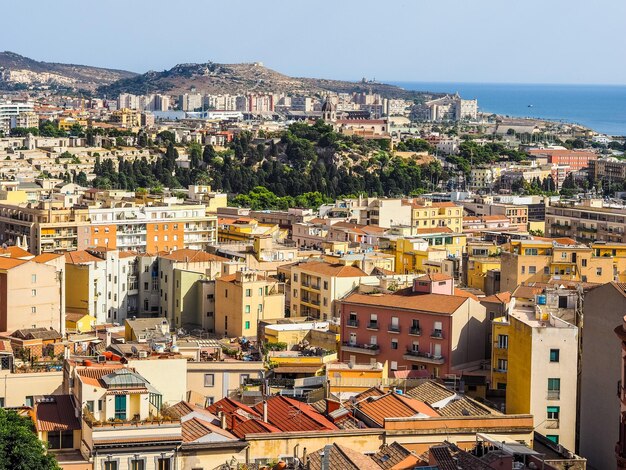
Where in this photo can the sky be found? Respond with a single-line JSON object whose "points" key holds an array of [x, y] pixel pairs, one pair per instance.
{"points": [[490, 41]]}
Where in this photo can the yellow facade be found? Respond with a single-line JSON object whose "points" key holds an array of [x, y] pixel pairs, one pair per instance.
{"points": [[499, 328], [527, 261], [477, 269], [433, 215], [617, 253], [77, 287], [80, 325], [244, 230], [412, 255], [518, 395]]}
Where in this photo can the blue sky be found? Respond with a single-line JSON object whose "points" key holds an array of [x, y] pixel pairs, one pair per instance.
{"points": [[531, 41]]}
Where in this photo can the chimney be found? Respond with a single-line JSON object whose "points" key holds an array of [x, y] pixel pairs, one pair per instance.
{"points": [[107, 341], [265, 411], [222, 416]]}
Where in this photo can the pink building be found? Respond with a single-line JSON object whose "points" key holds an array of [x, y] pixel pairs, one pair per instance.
{"points": [[430, 327]]}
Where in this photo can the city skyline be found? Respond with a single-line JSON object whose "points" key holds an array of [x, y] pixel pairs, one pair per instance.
{"points": [[341, 43]]}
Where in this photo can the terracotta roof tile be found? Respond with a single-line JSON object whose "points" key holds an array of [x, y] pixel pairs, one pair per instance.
{"points": [[393, 405], [430, 392], [57, 415], [292, 415], [192, 256], [81, 257], [436, 303], [499, 298], [15, 252], [45, 257], [327, 269], [434, 277], [252, 426], [341, 457], [10, 263]]}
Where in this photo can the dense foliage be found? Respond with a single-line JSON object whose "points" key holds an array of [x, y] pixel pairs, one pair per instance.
{"points": [[472, 153], [20, 449], [304, 161]]}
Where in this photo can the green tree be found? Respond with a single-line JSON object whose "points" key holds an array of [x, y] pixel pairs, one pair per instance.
{"points": [[20, 449]]}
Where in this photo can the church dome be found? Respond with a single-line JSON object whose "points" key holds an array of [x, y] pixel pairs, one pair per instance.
{"points": [[328, 106]]}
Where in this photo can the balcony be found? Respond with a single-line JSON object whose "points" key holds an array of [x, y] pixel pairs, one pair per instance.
{"points": [[370, 349], [373, 325], [415, 331], [419, 356], [437, 334], [393, 328], [554, 394], [352, 323]]}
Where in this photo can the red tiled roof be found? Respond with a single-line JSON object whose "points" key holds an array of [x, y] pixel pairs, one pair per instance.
{"points": [[192, 256], [58, 415], [45, 257], [194, 429], [464, 293], [92, 375], [393, 405], [327, 269], [81, 257], [10, 263], [434, 277], [253, 426], [404, 299], [499, 298], [15, 252], [291, 415]]}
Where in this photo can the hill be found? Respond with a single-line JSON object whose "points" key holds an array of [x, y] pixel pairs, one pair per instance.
{"points": [[212, 78], [18, 72]]}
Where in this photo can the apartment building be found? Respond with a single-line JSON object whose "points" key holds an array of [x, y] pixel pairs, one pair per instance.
{"points": [[587, 221], [428, 214], [524, 261], [245, 298], [576, 159], [179, 276], [538, 353], [102, 283], [127, 118], [31, 296], [607, 170], [51, 227], [516, 213], [426, 327], [316, 286]]}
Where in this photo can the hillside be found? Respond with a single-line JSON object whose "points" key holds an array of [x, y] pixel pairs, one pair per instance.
{"points": [[212, 78], [19, 72]]}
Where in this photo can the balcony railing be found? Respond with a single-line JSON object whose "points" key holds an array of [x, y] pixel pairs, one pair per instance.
{"points": [[372, 325], [393, 328], [419, 356], [353, 323], [554, 394], [437, 334], [371, 349], [415, 331]]}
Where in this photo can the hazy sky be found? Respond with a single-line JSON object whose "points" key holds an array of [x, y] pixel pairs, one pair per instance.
{"points": [[535, 41]]}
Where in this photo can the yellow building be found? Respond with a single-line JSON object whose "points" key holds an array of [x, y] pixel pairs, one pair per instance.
{"points": [[543, 260], [428, 214], [418, 253], [535, 357], [244, 230], [617, 253], [126, 118], [66, 123], [245, 298], [79, 322]]}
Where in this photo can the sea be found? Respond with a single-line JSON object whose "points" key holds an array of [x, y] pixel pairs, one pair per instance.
{"points": [[599, 107]]}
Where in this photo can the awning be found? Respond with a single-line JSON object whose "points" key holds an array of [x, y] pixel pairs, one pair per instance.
{"points": [[506, 444], [296, 369]]}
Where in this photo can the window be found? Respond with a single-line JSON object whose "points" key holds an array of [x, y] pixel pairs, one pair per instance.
{"points": [[248, 292], [546, 269], [503, 365], [394, 344], [209, 401], [394, 365], [523, 269], [247, 325], [110, 465], [120, 407], [553, 412], [260, 308], [33, 292], [554, 389], [260, 291], [89, 404], [532, 269], [247, 310], [503, 341], [295, 278], [29, 401], [33, 278], [599, 271], [209, 380], [373, 339], [584, 262], [137, 464], [553, 437], [33, 310], [554, 355], [164, 464], [326, 285], [564, 255], [530, 251], [226, 293], [146, 286], [243, 378]]}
